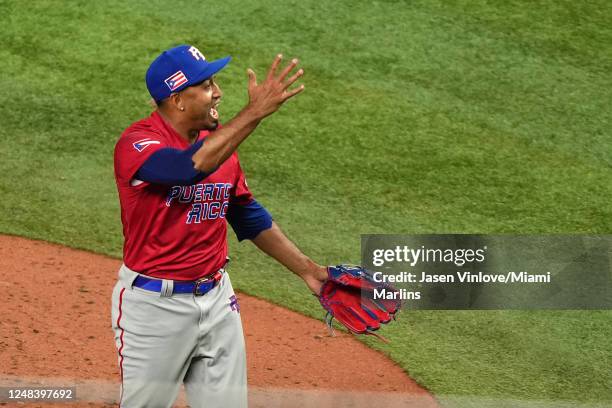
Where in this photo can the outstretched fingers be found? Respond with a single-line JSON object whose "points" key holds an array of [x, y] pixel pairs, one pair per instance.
{"points": [[266, 97], [293, 92], [252, 79], [274, 66], [294, 78], [288, 69]]}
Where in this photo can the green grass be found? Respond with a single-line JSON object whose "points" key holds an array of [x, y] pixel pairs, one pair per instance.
{"points": [[418, 117]]}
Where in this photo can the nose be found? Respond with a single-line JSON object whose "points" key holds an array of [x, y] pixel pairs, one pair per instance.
{"points": [[217, 94]]}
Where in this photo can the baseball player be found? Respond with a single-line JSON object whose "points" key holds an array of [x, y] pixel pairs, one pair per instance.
{"points": [[175, 315]]}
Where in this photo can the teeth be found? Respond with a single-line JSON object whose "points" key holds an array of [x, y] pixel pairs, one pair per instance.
{"points": [[214, 113]]}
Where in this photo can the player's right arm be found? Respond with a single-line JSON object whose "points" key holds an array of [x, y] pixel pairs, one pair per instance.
{"points": [[264, 99], [159, 164]]}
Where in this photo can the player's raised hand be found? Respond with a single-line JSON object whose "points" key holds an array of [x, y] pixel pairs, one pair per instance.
{"points": [[267, 97]]}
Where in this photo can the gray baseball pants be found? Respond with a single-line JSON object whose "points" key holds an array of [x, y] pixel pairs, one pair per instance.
{"points": [[166, 339]]}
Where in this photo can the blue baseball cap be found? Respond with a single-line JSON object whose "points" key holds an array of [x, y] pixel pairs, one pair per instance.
{"points": [[177, 68]]}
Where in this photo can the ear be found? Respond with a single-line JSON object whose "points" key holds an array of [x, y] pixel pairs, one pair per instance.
{"points": [[176, 101]]}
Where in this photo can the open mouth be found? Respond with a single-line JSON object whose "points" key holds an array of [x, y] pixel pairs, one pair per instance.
{"points": [[214, 113]]}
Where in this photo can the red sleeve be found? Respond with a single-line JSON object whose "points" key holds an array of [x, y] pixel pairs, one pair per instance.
{"points": [[132, 150], [241, 194]]}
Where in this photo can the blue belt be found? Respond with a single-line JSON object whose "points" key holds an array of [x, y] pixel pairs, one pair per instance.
{"points": [[198, 288]]}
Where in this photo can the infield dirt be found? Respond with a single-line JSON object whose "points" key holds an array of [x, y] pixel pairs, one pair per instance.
{"points": [[56, 330]]}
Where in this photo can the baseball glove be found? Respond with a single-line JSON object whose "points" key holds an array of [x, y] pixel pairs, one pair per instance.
{"points": [[348, 296]]}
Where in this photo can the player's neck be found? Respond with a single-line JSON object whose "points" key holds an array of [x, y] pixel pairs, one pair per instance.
{"points": [[183, 129]]}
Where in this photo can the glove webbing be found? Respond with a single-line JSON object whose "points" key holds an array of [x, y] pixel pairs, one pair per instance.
{"points": [[329, 318]]}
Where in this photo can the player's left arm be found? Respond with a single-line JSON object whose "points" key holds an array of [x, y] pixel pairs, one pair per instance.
{"points": [[252, 221], [275, 243]]}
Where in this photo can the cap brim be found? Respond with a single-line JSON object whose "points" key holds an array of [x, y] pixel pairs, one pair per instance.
{"points": [[211, 69]]}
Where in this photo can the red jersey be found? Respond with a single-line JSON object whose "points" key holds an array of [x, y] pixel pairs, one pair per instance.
{"points": [[173, 232]]}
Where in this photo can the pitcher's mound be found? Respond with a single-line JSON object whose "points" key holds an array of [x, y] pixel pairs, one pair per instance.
{"points": [[56, 330]]}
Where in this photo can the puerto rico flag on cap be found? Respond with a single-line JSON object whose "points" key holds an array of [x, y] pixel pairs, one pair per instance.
{"points": [[144, 143], [177, 79]]}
